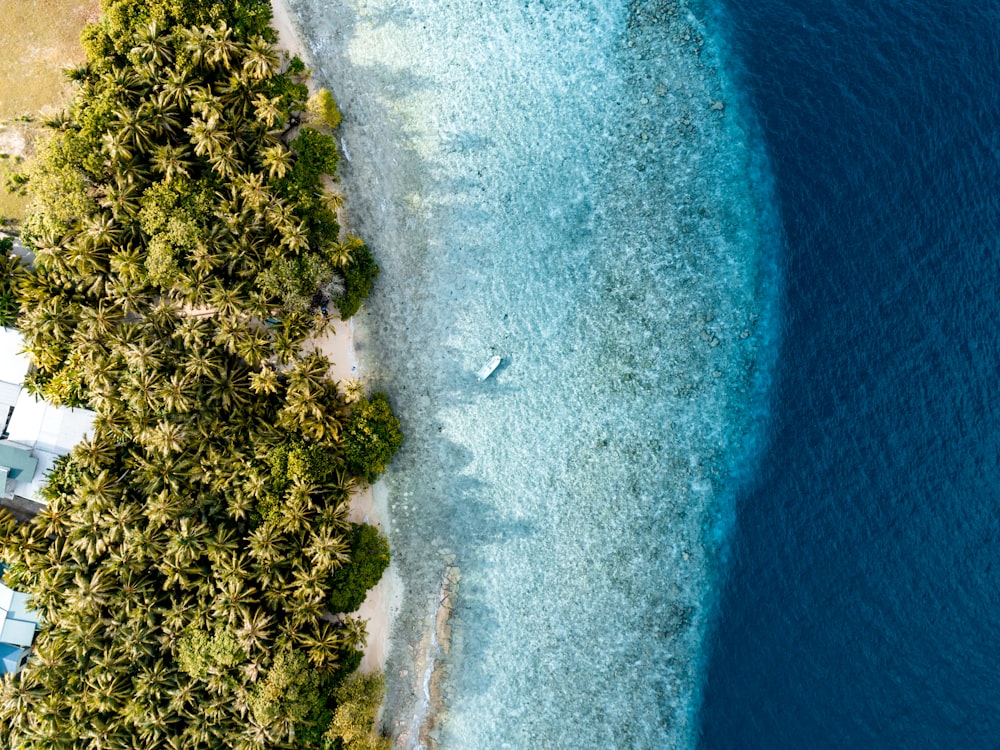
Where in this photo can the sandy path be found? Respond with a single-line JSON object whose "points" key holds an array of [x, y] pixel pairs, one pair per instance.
{"points": [[368, 504]]}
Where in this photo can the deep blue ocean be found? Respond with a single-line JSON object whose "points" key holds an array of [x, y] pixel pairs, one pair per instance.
{"points": [[861, 606]]}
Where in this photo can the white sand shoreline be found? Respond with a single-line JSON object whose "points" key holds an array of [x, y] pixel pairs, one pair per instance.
{"points": [[368, 504]]}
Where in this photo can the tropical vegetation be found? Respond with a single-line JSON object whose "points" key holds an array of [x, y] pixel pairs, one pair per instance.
{"points": [[182, 252], [369, 557]]}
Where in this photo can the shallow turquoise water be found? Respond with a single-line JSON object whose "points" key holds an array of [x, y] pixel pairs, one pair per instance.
{"points": [[568, 185]]}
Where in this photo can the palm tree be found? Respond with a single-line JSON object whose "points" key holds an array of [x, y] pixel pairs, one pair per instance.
{"points": [[206, 137], [198, 732], [162, 114], [53, 519], [227, 389], [285, 345], [295, 237], [327, 549], [101, 320], [303, 608], [226, 161], [162, 509], [100, 230], [227, 299], [255, 630], [234, 601], [172, 161], [264, 381], [254, 191], [223, 546], [128, 294], [269, 111], [152, 46], [145, 355], [208, 106], [323, 643], [260, 61], [355, 633], [165, 437], [193, 332], [198, 363], [254, 348], [134, 128], [178, 86], [278, 160], [196, 44], [237, 96], [176, 393], [297, 509], [157, 472], [126, 82], [117, 146], [223, 49], [239, 506], [264, 543], [123, 196]]}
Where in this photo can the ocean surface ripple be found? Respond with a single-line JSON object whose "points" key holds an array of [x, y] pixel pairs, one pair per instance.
{"points": [[570, 185], [862, 608]]}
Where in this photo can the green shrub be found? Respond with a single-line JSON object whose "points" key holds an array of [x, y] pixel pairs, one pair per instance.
{"points": [[286, 697], [371, 437], [200, 654], [322, 107], [10, 270], [63, 478], [296, 461], [316, 155], [369, 559], [359, 275], [291, 281], [349, 663], [358, 700], [124, 17]]}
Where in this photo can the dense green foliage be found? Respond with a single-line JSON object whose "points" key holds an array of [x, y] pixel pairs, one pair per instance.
{"points": [[323, 110], [360, 271], [371, 437], [184, 559], [316, 155], [121, 18], [369, 557], [10, 270], [358, 700]]}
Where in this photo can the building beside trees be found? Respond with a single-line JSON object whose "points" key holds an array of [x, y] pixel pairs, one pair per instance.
{"points": [[18, 625], [34, 433], [186, 554]]}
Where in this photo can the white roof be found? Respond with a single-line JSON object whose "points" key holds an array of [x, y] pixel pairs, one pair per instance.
{"points": [[17, 632], [19, 607], [47, 428], [13, 362], [49, 432], [8, 394]]}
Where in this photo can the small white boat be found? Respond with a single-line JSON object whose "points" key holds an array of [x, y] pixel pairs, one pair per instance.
{"points": [[486, 370]]}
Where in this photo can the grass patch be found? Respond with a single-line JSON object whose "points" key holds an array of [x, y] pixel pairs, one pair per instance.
{"points": [[39, 38]]}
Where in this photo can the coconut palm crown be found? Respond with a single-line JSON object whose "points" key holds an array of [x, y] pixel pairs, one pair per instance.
{"points": [[183, 561]]}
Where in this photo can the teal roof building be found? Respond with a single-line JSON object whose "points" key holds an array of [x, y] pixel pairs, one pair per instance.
{"points": [[18, 625]]}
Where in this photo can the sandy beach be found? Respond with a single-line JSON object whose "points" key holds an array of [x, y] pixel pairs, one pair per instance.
{"points": [[368, 505]]}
